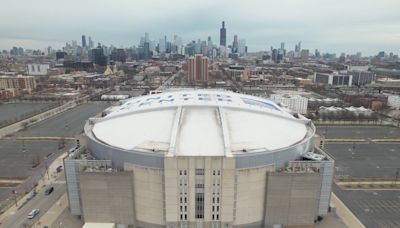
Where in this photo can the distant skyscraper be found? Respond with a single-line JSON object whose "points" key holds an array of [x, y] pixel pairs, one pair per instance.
{"points": [[235, 44], [282, 45], [209, 46], [98, 56], [90, 42], [198, 68], [242, 47], [222, 35], [146, 48], [83, 41], [304, 54], [162, 45]]}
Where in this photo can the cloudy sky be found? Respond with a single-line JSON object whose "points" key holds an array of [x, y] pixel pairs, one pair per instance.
{"points": [[328, 25]]}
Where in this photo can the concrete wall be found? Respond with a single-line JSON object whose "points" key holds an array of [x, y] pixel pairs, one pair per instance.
{"points": [[250, 195], [292, 198], [107, 197], [149, 195]]}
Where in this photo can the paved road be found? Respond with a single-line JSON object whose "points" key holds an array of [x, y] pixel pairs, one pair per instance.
{"points": [[69, 123], [41, 201]]}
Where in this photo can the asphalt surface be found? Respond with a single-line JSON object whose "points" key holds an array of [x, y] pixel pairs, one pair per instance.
{"points": [[365, 160], [375, 209], [17, 162], [18, 156], [69, 123], [41, 201], [359, 132], [12, 110]]}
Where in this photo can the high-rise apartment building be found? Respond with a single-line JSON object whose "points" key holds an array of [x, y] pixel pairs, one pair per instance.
{"points": [[198, 68], [222, 35]]}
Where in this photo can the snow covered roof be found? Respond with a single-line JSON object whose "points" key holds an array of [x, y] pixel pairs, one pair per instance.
{"points": [[200, 123]]}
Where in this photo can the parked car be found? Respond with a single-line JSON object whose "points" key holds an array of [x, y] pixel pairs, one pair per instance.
{"points": [[33, 213]]}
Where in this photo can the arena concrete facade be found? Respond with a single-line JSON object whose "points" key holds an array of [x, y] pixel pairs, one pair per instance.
{"points": [[200, 158]]}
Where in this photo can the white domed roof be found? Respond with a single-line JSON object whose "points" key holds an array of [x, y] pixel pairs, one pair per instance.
{"points": [[200, 123]]}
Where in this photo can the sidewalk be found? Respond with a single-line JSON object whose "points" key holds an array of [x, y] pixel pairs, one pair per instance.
{"points": [[41, 184], [345, 214]]}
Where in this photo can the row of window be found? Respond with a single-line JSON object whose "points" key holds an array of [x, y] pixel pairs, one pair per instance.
{"points": [[183, 195], [200, 172]]}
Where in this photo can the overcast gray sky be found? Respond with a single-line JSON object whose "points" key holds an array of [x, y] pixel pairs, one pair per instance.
{"points": [[329, 25]]}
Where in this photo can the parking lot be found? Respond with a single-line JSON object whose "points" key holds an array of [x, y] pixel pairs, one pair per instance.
{"points": [[69, 123], [13, 111], [373, 208], [19, 156], [366, 159], [359, 132]]}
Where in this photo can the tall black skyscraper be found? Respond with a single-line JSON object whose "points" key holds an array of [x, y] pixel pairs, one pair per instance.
{"points": [[222, 35], [83, 41]]}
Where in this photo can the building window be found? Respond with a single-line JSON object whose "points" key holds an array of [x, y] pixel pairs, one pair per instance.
{"points": [[199, 205], [199, 172]]}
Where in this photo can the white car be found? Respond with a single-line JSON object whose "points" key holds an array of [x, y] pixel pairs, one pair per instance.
{"points": [[33, 213]]}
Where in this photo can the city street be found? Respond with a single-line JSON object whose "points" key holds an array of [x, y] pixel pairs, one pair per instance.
{"points": [[41, 201]]}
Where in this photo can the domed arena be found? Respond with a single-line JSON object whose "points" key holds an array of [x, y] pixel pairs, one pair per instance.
{"points": [[200, 158]]}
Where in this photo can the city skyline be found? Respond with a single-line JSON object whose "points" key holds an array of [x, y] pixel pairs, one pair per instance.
{"points": [[331, 27]]}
